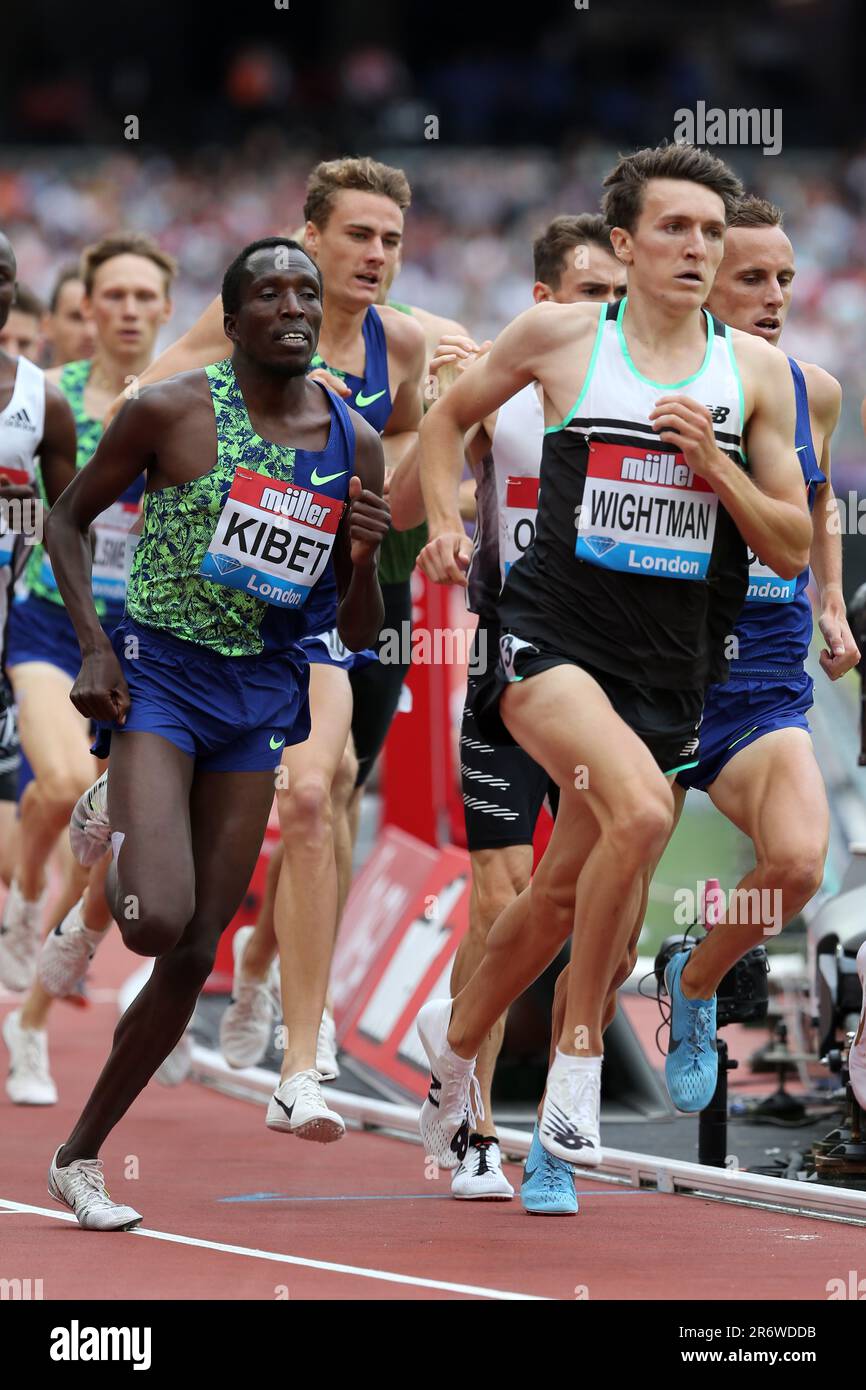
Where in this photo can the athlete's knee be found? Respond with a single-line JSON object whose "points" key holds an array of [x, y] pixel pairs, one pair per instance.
{"points": [[498, 877], [58, 789], [149, 924], [640, 827], [306, 811], [796, 874]]}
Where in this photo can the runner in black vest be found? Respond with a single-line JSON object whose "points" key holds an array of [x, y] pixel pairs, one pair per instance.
{"points": [[605, 653]]}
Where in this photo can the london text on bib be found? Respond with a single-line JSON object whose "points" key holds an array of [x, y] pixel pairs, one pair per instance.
{"points": [[273, 539], [645, 512], [765, 586], [519, 517]]}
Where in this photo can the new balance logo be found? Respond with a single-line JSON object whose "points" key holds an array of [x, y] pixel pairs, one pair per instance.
{"points": [[719, 413], [20, 421]]}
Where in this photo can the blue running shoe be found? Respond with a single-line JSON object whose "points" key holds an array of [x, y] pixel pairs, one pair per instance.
{"points": [[547, 1188], [692, 1063]]}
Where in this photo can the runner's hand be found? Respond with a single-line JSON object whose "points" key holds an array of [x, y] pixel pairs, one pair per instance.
{"points": [[842, 653], [687, 424], [100, 690], [369, 522], [445, 559], [453, 354], [335, 383]]}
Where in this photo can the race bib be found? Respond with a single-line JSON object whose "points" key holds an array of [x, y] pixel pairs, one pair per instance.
{"points": [[765, 586], [518, 518], [645, 512], [337, 650], [273, 539], [112, 550]]}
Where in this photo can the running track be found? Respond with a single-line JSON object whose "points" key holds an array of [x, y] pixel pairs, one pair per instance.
{"points": [[233, 1211]]}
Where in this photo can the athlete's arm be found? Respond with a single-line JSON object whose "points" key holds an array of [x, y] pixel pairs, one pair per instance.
{"points": [[406, 342], [825, 405], [771, 512], [511, 364], [201, 345], [59, 446], [365, 524]]}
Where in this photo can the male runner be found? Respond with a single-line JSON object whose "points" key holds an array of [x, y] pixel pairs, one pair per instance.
{"points": [[756, 762], [503, 789], [605, 653], [21, 334], [354, 225], [127, 279], [35, 420], [249, 469], [70, 333]]}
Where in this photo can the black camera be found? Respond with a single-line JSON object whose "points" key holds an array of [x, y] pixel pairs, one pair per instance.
{"points": [[744, 993]]}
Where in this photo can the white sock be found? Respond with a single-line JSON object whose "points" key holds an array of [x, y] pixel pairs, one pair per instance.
{"points": [[563, 1062]]}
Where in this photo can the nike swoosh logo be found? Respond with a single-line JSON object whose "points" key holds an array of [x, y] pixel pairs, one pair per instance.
{"points": [[800, 447], [279, 743], [529, 1174], [315, 479], [362, 400]]}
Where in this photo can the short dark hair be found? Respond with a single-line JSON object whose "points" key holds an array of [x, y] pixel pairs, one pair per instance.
{"points": [[26, 302], [626, 183], [233, 278], [125, 244], [752, 211], [559, 236], [64, 275]]}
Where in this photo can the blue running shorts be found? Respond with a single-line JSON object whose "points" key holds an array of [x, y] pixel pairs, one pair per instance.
{"points": [[742, 711]]}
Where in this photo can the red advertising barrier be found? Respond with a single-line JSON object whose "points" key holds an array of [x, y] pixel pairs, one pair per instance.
{"points": [[407, 914]]}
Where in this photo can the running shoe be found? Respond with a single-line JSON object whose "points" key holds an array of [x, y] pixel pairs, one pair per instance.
{"points": [[479, 1177], [66, 953], [89, 831], [453, 1107], [326, 1049], [29, 1081], [692, 1063], [569, 1124], [247, 1024], [177, 1065], [20, 931], [547, 1188], [298, 1107], [81, 1187], [857, 1052]]}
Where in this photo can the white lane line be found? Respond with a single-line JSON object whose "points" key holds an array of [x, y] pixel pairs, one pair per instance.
{"points": [[357, 1270]]}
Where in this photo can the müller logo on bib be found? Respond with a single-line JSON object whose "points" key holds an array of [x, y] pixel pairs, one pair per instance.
{"points": [[273, 539], [645, 511]]}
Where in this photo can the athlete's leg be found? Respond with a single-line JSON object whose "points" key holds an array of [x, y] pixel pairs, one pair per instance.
{"points": [[498, 877], [607, 832], [345, 824], [305, 911], [54, 738], [8, 840], [219, 833], [773, 791], [262, 945]]}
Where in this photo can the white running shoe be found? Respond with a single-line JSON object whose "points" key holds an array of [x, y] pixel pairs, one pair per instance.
{"points": [[81, 1187], [177, 1065], [89, 831], [569, 1125], [20, 931], [453, 1106], [857, 1052], [326, 1049], [480, 1177], [29, 1081], [245, 1027], [66, 953], [298, 1107]]}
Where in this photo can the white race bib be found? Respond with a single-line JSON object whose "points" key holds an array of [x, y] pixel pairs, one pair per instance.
{"points": [[645, 512], [111, 552], [765, 586], [518, 517], [273, 539]]}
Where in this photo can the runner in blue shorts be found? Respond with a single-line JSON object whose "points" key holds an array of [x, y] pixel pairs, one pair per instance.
{"points": [[757, 763], [257, 479]]}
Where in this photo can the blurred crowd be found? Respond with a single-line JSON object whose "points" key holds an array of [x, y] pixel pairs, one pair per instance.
{"points": [[468, 232]]}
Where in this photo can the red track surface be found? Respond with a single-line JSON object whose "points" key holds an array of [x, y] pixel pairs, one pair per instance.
{"points": [[363, 1202]]}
